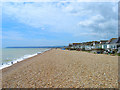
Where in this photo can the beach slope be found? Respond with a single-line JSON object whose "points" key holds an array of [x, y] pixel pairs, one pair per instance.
{"points": [[63, 69]]}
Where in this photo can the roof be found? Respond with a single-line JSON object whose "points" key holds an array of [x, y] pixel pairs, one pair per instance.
{"points": [[113, 40], [118, 40], [76, 43], [89, 43], [96, 42], [103, 41]]}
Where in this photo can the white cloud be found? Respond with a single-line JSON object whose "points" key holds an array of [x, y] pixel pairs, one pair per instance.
{"points": [[65, 17], [12, 35], [91, 20]]}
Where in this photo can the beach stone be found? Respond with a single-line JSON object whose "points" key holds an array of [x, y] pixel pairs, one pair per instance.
{"points": [[67, 69]]}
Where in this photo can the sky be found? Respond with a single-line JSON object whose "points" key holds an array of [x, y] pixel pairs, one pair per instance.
{"points": [[57, 23]]}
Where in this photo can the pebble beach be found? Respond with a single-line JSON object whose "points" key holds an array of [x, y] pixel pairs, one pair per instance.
{"points": [[63, 69]]}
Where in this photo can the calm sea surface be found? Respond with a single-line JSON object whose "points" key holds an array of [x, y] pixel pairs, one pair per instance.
{"points": [[17, 54]]}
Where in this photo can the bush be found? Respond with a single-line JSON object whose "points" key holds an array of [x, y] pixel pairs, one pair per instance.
{"points": [[88, 51], [118, 54], [83, 49]]}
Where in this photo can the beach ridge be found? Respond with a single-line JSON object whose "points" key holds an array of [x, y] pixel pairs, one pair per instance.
{"points": [[63, 69]]}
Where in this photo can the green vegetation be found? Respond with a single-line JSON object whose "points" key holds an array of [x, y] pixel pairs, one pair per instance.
{"points": [[88, 51], [83, 49], [118, 54]]}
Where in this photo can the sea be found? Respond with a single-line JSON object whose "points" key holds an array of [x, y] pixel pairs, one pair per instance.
{"points": [[10, 56]]}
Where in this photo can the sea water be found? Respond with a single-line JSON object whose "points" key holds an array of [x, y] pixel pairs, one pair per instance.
{"points": [[13, 55]]}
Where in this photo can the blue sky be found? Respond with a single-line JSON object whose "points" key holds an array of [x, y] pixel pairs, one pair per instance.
{"points": [[57, 23]]}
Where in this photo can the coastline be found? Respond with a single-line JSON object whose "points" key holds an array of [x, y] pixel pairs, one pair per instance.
{"points": [[63, 69], [8, 64]]}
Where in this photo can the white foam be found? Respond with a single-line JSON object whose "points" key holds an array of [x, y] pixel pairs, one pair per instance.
{"points": [[20, 59]]}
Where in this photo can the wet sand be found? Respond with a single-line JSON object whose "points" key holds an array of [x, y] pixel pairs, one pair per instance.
{"points": [[63, 69]]}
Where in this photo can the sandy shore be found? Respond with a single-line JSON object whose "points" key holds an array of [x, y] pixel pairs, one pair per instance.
{"points": [[63, 69]]}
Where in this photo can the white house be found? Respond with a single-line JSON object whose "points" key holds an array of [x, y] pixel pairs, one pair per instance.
{"points": [[88, 46], [103, 44], [75, 45], [96, 45], [113, 43]]}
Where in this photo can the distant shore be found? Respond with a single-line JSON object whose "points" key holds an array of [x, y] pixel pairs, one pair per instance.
{"points": [[63, 69]]}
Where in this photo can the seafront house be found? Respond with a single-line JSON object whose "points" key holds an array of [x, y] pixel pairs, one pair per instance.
{"points": [[88, 46], [118, 42], [82, 47], [74, 45], [97, 48], [96, 44], [70, 45], [103, 44], [113, 43]]}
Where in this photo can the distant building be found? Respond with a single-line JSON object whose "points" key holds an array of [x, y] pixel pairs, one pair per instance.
{"points": [[88, 45], [97, 46], [75, 45], [112, 43], [103, 44]]}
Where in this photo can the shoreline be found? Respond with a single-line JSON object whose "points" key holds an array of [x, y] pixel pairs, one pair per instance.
{"points": [[8, 64], [63, 69], [19, 64]]}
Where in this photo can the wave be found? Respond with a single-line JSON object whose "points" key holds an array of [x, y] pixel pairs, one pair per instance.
{"points": [[7, 64]]}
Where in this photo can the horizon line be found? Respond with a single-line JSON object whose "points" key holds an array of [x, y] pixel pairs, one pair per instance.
{"points": [[33, 46]]}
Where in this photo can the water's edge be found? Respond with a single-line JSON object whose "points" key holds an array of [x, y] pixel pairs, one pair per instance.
{"points": [[4, 65]]}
